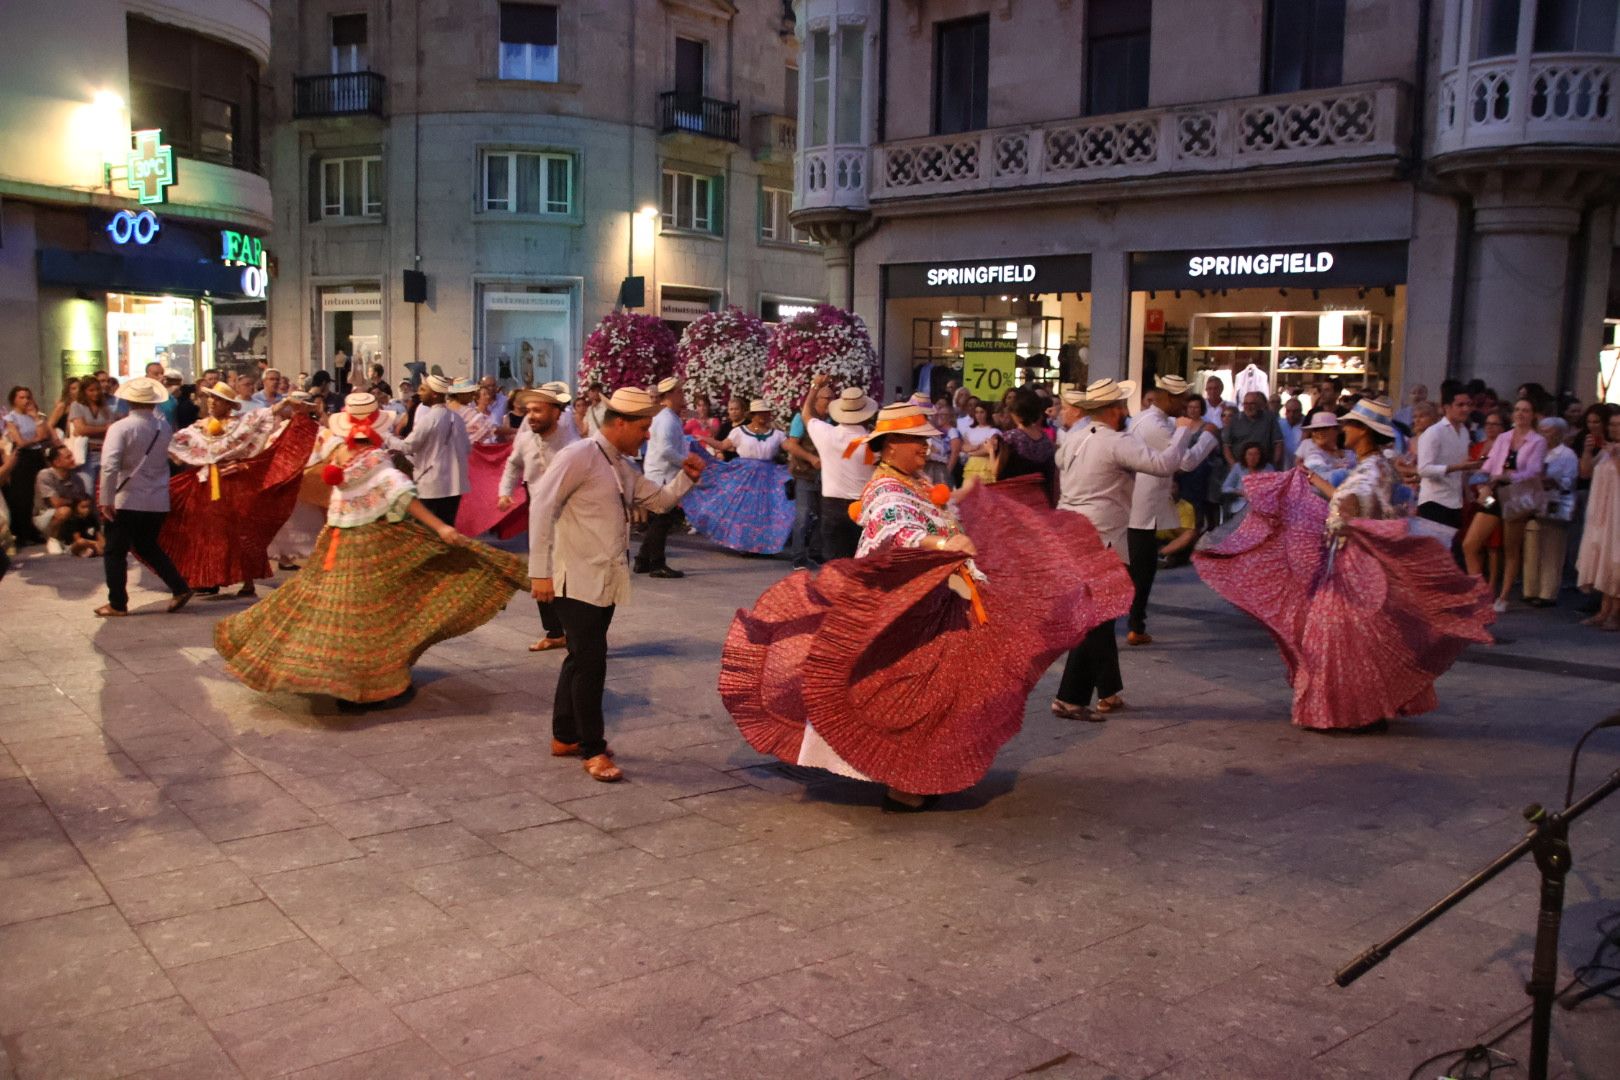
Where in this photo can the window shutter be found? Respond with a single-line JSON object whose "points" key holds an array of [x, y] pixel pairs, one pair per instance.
{"points": [[717, 205], [348, 30], [313, 183]]}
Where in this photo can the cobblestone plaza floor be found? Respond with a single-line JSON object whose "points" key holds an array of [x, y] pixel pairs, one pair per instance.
{"points": [[198, 881]]}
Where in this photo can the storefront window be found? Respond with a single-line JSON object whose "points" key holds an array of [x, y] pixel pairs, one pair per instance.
{"points": [[352, 321], [1609, 363], [527, 336], [152, 329], [241, 338]]}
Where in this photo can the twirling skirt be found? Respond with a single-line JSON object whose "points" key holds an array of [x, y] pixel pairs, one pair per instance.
{"points": [[742, 504], [354, 631]]}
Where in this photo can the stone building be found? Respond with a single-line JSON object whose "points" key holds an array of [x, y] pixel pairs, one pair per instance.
{"points": [[1389, 190], [133, 200], [473, 185]]}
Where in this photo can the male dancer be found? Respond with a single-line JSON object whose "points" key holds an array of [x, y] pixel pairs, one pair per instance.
{"points": [[666, 453], [438, 448], [846, 464], [579, 538], [1097, 465], [542, 437], [134, 495], [1152, 508]]}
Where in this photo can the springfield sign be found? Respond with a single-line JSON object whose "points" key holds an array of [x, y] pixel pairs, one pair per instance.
{"points": [[993, 274], [1275, 262]]}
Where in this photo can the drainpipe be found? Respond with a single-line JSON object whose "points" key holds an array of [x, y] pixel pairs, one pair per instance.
{"points": [[1570, 331], [1420, 119], [1462, 262], [630, 131]]}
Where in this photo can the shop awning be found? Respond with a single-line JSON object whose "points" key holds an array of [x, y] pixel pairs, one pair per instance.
{"points": [[140, 274]]}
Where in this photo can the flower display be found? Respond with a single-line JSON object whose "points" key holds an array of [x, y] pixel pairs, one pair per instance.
{"points": [[627, 350], [827, 340], [723, 355]]}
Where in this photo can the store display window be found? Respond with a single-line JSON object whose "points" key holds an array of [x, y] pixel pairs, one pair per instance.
{"points": [[1609, 363], [352, 321], [527, 336], [148, 329]]}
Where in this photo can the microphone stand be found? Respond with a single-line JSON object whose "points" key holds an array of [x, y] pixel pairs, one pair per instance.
{"points": [[1548, 844]]}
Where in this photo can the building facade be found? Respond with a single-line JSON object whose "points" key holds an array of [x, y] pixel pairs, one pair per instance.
{"points": [[1391, 191], [133, 201], [473, 185]]}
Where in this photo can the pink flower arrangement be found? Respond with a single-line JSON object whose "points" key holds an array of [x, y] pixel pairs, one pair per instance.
{"points": [[627, 350], [828, 341], [723, 355]]}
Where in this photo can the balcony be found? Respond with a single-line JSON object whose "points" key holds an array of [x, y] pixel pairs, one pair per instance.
{"points": [[684, 114], [355, 93], [831, 177], [1545, 99], [1345, 125], [775, 138]]}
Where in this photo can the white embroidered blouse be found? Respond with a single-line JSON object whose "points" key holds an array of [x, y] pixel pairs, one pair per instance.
{"points": [[372, 490]]}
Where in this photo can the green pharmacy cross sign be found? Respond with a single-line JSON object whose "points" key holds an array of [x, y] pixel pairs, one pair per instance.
{"points": [[150, 167]]}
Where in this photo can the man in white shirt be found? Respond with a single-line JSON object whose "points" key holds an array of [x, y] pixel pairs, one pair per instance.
{"points": [[1443, 464], [846, 465], [438, 448], [1214, 401], [666, 453], [579, 537], [1152, 508], [541, 438], [1097, 467], [134, 496]]}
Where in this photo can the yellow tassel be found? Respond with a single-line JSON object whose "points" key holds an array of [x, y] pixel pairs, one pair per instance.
{"points": [[213, 482]]}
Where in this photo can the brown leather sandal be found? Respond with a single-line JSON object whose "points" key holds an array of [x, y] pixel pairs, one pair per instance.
{"points": [[180, 601], [546, 644], [107, 611], [571, 749], [601, 768]]}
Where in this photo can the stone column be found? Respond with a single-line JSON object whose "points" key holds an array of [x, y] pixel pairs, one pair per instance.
{"points": [[1110, 353]]}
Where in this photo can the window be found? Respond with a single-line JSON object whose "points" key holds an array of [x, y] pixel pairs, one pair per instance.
{"points": [[1576, 25], [351, 187], [692, 202], [774, 204], [790, 92], [203, 94], [961, 75], [1498, 28], [529, 42], [349, 52], [523, 182], [691, 71], [820, 86], [851, 49], [1304, 45], [1118, 34]]}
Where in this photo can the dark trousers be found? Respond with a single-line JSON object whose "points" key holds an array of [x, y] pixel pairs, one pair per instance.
{"points": [[1445, 515], [1143, 547], [576, 710], [839, 535], [137, 531], [1092, 667], [656, 538], [444, 508], [806, 540], [549, 622]]}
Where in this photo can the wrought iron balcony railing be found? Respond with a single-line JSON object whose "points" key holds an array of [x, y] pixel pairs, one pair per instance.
{"points": [[354, 93], [693, 115]]}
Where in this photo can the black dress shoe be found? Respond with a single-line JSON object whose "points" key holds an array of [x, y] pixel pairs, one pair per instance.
{"points": [[640, 568], [665, 573], [892, 805]]}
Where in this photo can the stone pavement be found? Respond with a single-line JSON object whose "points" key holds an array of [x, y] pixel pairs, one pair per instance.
{"points": [[203, 882]]}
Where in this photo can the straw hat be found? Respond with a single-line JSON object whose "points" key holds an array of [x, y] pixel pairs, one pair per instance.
{"points": [[356, 408], [920, 398], [546, 393], [173, 375], [1105, 392], [1375, 414], [1321, 422], [436, 383], [559, 390], [1074, 399], [1173, 384], [632, 401], [852, 406], [225, 393], [669, 385], [758, 406], [142, 391], [462, 386], [901, 418]]}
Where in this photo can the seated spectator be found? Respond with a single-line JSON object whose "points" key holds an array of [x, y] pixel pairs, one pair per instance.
{"points": [[1253, 461], [82, 532], [56, 490]]}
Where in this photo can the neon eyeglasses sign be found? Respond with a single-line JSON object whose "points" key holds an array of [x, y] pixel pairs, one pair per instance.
{"points": [[132, 227]]}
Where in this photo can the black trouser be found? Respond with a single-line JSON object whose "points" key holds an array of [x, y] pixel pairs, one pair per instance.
{"points": [[137, 531], [549, 622], [1143, 547], [444, 508], [1445, 515], [1092, 667], [839, 535], [19, 494], [655, 538], [576, 710]]}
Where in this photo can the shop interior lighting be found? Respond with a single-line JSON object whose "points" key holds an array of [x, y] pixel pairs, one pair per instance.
{"points": [[1152, 295], [1178, 294], [1316, 294], [108, 101], [1282, 292], [649, 211], [1389, 290], [1200, 293]]}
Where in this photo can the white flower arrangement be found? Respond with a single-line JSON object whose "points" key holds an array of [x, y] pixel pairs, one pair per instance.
{"points": [[722, 355]]}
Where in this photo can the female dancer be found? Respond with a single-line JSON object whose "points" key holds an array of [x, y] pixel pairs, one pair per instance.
{"points": [[378, 590], [844, 670], [742, 503], [1597, 567], [1367, 611]]}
